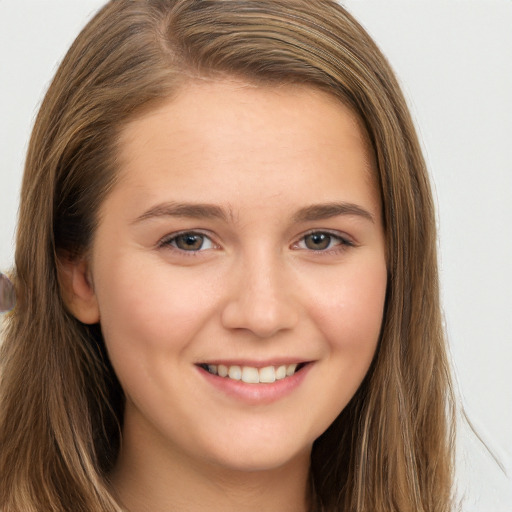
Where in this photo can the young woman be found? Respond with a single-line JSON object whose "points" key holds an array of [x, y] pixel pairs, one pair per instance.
{"points": [[226, 274]]}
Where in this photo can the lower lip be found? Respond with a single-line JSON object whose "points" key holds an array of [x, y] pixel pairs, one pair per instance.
{"points": [[257, 394]]}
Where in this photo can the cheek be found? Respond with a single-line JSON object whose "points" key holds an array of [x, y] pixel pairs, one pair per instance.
{"points": [[149, 308], [150, 317], [350, 313], [347, 312]]}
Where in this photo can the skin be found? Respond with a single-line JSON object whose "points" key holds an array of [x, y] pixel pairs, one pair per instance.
{"points": [[260, 289]]}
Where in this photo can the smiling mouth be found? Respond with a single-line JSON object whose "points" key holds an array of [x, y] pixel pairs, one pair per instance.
{"points": [[252, 375]]}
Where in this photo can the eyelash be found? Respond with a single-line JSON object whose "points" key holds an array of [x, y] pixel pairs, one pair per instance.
{"points": [[342, 242], [170, 242]]}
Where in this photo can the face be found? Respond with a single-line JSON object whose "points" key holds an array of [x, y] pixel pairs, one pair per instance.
{"points": [[238, 272]]}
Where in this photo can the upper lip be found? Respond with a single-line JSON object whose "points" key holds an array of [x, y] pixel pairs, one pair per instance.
{"points": [[281, 361]]}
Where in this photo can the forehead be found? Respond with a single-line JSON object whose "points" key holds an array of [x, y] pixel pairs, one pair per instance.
{"points": [[210, 129]]}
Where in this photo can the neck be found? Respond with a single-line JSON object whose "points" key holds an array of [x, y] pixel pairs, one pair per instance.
{"points": [[166, 480]]}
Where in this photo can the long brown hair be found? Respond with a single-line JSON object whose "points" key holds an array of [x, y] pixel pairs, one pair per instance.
{"points": [[61, 405]]}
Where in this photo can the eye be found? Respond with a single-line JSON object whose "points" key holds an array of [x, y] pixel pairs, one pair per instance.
{"points": [[322, 241], [189, 242]]}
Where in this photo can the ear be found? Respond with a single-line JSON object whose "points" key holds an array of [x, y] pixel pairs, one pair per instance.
{"points": [[77, 289]]}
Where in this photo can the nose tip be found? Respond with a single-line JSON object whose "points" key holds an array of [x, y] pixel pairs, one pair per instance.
{"points": [[264, 318], [262, 305]]}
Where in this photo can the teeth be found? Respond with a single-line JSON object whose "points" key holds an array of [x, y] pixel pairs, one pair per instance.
{"points": [[280, 372], [222, 371], [253, 375], [290, 369], [235, 372], [250, 375], [267, 374]]}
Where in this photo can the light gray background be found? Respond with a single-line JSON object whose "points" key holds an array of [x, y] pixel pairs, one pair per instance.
{"points": [[454, 60]]}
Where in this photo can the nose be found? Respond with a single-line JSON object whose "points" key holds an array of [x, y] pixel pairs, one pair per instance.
{"points": [[260, 301]]}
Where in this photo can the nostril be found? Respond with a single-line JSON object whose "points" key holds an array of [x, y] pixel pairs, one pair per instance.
{"points": [[263, 317]]}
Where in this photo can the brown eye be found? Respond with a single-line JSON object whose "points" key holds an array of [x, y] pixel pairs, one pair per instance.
{"points": [[318, 241], [324, 241], [189, 242]]}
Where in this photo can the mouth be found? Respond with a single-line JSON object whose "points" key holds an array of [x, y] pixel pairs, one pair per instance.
{"points": [[253, 375]]}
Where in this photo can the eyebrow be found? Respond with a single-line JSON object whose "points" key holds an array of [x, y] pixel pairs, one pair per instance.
{"points": [[210, 211], [190, 210], [329, 210]]}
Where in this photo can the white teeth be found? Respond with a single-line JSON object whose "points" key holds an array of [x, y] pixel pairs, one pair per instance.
{"points": [[235, 372], [280, 372], [222, 370], [252, 375], [290, 369], [267, 374]]}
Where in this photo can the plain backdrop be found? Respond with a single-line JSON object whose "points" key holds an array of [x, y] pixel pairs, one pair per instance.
{"points": [[454, 61]]}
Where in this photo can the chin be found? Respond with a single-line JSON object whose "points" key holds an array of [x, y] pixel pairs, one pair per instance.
{"points": [[244, 456]]}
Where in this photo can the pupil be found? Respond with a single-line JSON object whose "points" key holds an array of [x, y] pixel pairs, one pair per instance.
{"points": [[318, 241], [189, 242]]}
